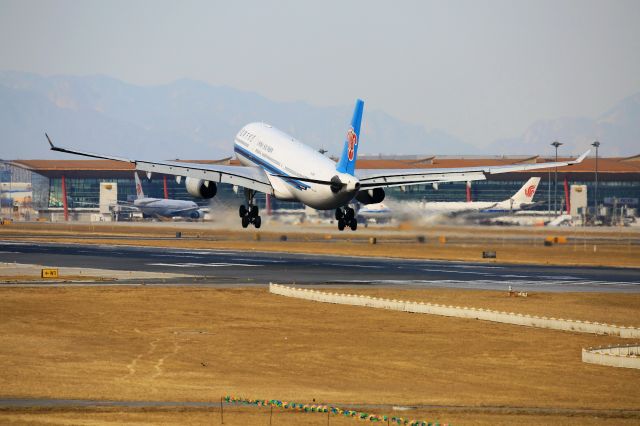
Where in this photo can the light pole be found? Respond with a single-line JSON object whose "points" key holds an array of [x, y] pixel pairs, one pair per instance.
{"points": [[1, 188], [596, 144], [555, 144], [10, 194], [549, 195]]}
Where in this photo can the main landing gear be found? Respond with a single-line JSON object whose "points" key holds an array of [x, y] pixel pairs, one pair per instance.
{"points": [[250, 213], [346, 216]]}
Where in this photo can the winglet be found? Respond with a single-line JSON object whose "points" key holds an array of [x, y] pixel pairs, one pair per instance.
{"points": [[85, 154], [49, 139], [581, 158]]}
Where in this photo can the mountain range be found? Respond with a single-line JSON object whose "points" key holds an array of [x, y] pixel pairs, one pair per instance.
{"points": [[618, 130], [194, 120]]}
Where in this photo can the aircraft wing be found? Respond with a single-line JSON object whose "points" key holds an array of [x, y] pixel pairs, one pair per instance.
{"points": [[247, 177], [380, 178]]}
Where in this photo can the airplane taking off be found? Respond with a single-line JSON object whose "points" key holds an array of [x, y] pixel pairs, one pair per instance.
{"points": [[164, 207], [279, 165], [520, 199]]}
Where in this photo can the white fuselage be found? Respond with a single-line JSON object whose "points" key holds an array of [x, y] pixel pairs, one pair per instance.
{"points": [[166, 208], [415, 208], [259, 144], [471, 206]]}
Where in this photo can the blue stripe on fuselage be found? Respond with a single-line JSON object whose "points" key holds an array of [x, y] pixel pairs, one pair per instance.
{"points": [[269, 167]]}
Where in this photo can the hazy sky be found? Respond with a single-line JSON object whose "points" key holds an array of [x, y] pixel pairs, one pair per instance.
{"points": [[479, 70]]}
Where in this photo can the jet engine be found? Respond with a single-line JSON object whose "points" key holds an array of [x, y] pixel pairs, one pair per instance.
{"points": [[370, 196], [201, 188], [197, 214]]}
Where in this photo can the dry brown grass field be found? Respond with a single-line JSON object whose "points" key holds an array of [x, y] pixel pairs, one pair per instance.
{"points": [[197, 343]]}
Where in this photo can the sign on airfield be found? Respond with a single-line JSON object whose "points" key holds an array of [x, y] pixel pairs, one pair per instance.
{"points": [[49, 273]]}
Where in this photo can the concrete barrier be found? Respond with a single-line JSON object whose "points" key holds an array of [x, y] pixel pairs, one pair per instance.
{"points": [[625, 356], [459, 312]]}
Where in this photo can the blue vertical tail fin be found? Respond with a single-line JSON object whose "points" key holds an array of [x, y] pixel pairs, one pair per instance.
{"points": [[347, 163]]}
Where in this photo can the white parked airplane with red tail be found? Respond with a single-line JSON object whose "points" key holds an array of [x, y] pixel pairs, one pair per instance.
{"points": [[277, 164], [418, 209]]}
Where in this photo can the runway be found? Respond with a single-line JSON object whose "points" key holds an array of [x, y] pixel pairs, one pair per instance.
{"points": [[216, 267]]}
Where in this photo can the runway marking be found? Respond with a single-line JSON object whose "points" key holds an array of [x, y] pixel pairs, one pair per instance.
{"points": [[457, 272], [472, 266], [201, 252], [196, 265], [177, 256], [354, 265], [558, 277], [512, 276], [260, 260]]}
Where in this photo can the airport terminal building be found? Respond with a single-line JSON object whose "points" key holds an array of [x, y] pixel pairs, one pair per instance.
{"points": [[33, 189]]}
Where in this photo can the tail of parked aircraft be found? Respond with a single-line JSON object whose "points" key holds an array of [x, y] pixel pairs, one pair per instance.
{"points": [[139, 193], [526, 193], [347, 163]]}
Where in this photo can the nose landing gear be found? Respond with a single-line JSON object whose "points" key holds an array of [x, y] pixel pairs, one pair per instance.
{"points": [[250, 213], [346, 216]]}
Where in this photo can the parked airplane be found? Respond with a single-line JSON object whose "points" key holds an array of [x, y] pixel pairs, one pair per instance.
{"points": [[164, 207], [522, 198], [279, 165]]}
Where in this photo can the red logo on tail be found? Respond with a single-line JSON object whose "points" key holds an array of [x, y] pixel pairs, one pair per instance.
{"points": [[352, 140], [530, 191]]}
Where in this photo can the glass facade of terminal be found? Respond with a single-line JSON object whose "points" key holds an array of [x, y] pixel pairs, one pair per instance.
{"points": [[498, 190], [84, 192]]}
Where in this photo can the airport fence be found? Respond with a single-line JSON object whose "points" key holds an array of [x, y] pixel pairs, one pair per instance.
{"points": [[458, 311], [625, 356], [329, 410]]}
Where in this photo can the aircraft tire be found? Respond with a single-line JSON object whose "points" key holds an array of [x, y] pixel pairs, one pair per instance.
{"points": [[257, 222], [349, 214], [245, 221], [338, 214], [254, 211], [353, 225], [242, 211], [341, 224]]}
